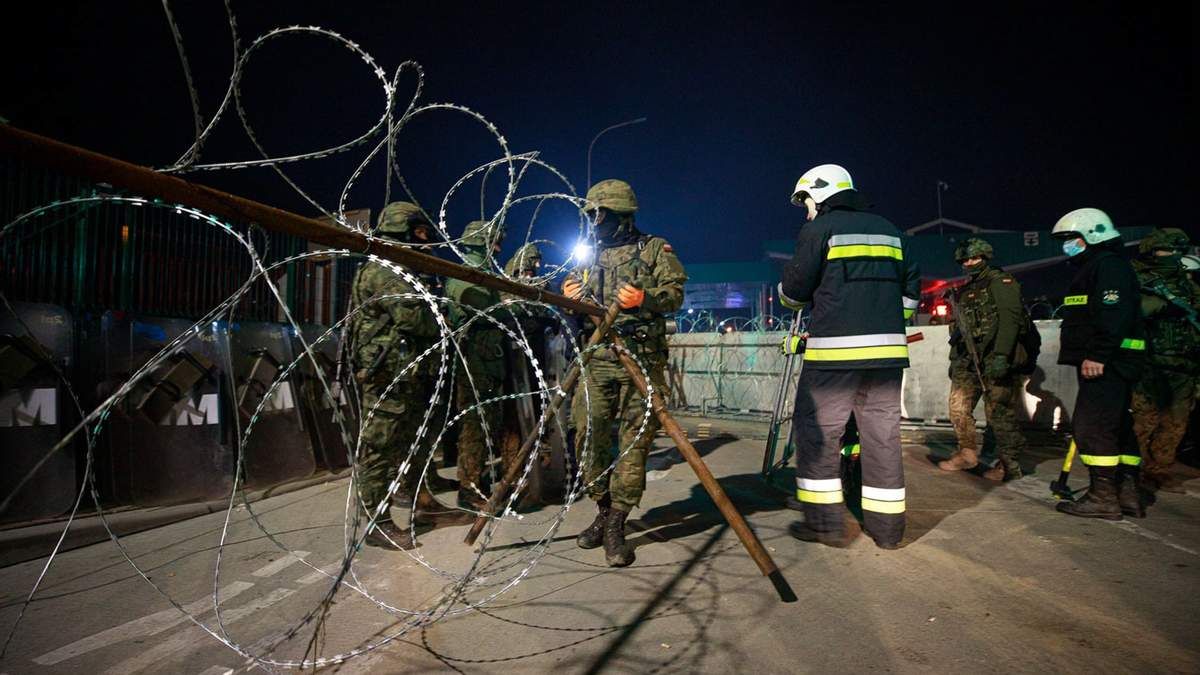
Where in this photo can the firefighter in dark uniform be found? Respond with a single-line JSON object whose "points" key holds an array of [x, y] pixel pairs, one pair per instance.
{"points": [[1102, 335], [854, 270]]}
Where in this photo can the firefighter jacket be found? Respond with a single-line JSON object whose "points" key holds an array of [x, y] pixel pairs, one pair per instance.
{"points": [[1101, 315], [854, 269]]}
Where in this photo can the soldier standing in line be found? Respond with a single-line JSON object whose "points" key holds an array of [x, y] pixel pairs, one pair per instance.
{"points": [[1163, 398], [482, 367], [641, 272], [1103, 336], [387, 334], [990, 314]]}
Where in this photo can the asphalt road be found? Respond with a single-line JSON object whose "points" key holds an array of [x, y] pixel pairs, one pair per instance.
{"points": [[991, 579]]}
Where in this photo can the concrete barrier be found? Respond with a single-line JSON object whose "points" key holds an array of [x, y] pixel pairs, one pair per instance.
{"points": [[739, 372]]}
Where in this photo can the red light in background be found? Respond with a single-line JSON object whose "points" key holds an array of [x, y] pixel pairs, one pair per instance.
{"points": [[941, 310]]}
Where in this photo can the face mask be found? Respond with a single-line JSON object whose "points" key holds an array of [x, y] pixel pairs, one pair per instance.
{"points": [[1074, 247], [606, 229]]}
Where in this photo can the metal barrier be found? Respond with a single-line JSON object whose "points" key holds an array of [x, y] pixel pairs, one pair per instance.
{"points": [[738, 372], [36, 351]]}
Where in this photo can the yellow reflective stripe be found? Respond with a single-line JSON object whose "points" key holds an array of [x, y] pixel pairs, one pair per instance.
{"points": [[864, 251], [857, 353], [844, 184], [810, 497], [851, 449], [908, 313], [1135, 345], [882, 507], [1131, 460], [1100, 460], [1075, 300]]}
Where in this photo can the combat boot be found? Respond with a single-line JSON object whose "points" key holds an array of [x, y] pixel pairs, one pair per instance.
{"points": [[1129, 496], [1100, 500], [995, 473], [616, 553], [387, 534], [593, 535], [965, 458], [804, 532], [432, 512]]}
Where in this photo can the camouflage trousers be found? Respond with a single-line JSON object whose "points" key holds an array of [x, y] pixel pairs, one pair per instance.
{"points": [[473, 453], [1162, 403], [607, 395], [1000, 401], [388, 438]]}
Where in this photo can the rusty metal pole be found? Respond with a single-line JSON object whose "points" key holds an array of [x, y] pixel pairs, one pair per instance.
{"points": [[76, 161]]}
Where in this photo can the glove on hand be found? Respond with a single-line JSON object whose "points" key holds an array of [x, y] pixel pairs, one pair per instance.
{"points": [[794, 344], [572, 288], [630, 296]]}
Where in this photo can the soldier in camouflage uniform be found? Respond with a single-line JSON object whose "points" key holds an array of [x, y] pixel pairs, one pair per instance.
{"points": [[482, 365], [387, 334], [1163, 398], [642, 273], [990, 309]]}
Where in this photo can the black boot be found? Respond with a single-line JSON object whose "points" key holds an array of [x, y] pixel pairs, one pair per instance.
{"points": [[1100, 500], [1129, 495], [616, 553], [593, 535]]}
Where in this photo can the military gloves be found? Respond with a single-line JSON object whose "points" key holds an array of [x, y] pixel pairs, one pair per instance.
{"points": [[630, 296], [572, 288]]}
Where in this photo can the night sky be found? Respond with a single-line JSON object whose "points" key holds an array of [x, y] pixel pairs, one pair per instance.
{"points": [[1027, 111]]}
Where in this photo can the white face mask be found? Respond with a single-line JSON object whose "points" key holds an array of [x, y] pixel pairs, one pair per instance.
{"points": [[811, 205]]}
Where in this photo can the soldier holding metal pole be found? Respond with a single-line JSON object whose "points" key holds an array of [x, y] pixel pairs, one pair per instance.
{"points": [[641, 273]]}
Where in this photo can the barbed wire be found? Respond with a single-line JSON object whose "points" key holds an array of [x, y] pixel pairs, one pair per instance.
{"points": [[497, 572]]}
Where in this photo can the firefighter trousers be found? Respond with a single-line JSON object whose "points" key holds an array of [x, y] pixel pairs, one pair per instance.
{"points": [[825, 399], [1102, 425]]}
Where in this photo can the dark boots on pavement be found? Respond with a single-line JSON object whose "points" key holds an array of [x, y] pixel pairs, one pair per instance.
{"points": [[1129, 494], [387, 534], [616, 553], [1101, 498], [593, 535]]}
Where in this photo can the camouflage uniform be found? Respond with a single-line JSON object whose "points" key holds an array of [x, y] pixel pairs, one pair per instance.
{"points": [[387, 335], [482, 348], [990, 304], [1163, 399], [607, 394]]}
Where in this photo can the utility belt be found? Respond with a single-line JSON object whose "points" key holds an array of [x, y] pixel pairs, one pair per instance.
{"points": [[396, 354]]}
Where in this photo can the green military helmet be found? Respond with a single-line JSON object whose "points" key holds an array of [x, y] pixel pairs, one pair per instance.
{"points": [[1164, 239], [483, 233], [527, 258], [973, 247], [615, 195], [398, 218]]}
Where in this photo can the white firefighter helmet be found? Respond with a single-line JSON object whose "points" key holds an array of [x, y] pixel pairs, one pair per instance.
{"points": [[821, 183], [1093, 225], [1191, 263]]}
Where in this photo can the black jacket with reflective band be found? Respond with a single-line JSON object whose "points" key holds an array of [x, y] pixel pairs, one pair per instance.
{"points": [[853, 268], [1101, 314]]}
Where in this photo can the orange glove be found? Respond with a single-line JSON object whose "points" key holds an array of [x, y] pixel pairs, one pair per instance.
{"points": [[630, 296], [572, 288]]}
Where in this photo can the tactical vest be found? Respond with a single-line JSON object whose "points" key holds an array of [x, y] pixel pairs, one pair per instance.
{"points": [[645, 332]]}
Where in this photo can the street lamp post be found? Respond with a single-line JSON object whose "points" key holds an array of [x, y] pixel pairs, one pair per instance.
{"points": [[597, 137]]}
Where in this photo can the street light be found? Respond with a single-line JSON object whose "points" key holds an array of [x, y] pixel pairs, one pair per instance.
{"points": [[597, 137]]}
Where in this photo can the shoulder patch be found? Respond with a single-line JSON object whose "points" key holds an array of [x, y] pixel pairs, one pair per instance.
{"points": [[1110, 297], [667, 248], [1007, 280]]}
